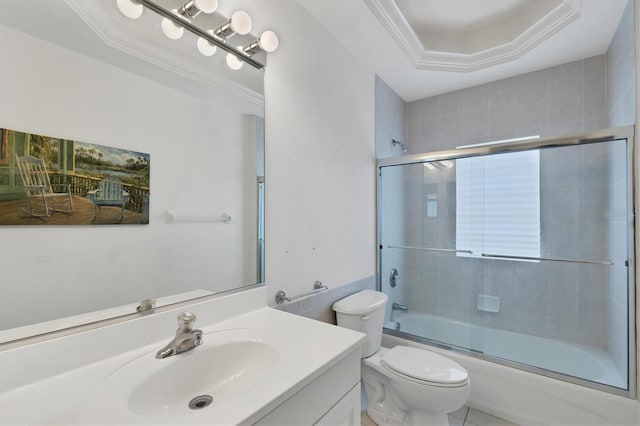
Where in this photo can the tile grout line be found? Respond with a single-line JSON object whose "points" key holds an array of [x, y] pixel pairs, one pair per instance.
{"points": [[465, 416]]}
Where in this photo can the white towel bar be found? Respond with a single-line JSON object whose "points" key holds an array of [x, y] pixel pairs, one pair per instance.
{"points": [[172, 217]]}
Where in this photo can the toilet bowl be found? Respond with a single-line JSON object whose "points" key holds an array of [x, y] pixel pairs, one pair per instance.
{"points": [[433, 387], [404, 385]]}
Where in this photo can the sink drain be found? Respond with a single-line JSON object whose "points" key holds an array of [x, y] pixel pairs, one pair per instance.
{"points": [[200, 401]]}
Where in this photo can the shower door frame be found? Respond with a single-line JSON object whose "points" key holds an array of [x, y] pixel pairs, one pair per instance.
{"points": [[606, 135]]}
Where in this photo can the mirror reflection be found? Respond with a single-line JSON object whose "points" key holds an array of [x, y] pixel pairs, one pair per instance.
{"points": [[82, 71]]}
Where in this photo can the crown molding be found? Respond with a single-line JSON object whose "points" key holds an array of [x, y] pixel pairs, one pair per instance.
{"points": [[397, 26]]}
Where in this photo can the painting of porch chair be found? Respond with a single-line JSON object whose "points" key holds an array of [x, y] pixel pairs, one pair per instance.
{"points": [[42, 200], [109, 193]]}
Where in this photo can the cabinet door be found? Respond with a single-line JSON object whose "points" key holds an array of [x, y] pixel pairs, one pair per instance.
{"points": [[316, 399], [346, 412]]}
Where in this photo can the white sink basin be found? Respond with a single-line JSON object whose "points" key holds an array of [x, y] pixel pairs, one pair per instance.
{"points": [[141, 389], [222, 371]]}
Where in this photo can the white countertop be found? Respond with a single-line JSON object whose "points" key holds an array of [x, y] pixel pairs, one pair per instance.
{"points": [[100, 392]]}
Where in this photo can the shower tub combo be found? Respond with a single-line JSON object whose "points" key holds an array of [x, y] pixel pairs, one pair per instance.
{"points": [[516, 259], [549, 355]]}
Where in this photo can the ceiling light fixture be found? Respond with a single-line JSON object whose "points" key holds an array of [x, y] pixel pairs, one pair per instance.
{"points": [[239, 23], [187, 11], [267, 42], [192, 8], [175, 21]]}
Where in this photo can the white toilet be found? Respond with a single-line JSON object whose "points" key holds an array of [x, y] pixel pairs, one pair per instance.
{"points": [[404, 385]]}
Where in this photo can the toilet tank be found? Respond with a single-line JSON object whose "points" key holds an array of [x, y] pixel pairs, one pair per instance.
{"points": [[364, 312]]}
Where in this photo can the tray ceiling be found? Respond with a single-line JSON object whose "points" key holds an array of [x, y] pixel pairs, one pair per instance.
{"points": [[423, 48], [465, 35]]}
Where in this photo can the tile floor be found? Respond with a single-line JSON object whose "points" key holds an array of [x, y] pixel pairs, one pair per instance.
{"points": [[463, 417]]}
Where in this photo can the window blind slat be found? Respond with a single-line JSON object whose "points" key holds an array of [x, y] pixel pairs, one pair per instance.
{"points": [[498, 204]]}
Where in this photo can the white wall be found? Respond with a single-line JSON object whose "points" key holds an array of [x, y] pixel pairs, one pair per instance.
{"points": [[196, 167], [320, 159]]}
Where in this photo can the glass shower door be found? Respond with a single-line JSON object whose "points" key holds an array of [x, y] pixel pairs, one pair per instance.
{"points": [[427, 282], [520, 257]]}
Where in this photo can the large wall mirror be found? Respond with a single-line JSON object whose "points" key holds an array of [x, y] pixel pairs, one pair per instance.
{"points": [[80, 70]]}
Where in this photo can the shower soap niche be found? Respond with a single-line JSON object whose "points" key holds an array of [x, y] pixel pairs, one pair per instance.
{"points": [[488, 303]]}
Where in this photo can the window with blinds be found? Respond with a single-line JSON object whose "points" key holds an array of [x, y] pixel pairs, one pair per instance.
{"points": [[498, 204]]}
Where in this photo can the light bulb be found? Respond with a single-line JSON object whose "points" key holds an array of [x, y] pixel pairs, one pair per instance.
{"points": [[429, 166], [193, 8], [170, 29], [241, 22], [268, 41], [447, 163], [206, 47], [206, 6], [233, 62], [130, 8]]}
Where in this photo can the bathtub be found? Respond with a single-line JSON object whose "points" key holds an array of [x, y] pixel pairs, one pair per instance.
{"points": [[583, 362], [524, 397]]}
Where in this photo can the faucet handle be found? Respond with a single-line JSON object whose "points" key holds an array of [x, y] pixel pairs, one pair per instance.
{"points": [[185, 320]]}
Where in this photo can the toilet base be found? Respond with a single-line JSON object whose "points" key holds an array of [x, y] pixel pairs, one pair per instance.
{"points": [[383, 418], [431, 419]]}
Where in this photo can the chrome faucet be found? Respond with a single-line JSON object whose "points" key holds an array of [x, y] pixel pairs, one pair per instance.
{"points": [[399, 307], [186, 338]]}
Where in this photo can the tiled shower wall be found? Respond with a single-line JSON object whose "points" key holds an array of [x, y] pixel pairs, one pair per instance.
{"points": [[567, 303], [569, 98], [563, 301]]}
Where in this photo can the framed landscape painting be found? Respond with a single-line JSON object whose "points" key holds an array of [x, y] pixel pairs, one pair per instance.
{"points": [[51, 181]]}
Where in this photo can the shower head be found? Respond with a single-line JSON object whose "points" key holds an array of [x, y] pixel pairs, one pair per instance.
{"points": [[403, 146]]}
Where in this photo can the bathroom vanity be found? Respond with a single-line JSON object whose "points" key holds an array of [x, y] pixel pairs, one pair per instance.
{"points": [[256, 365]]}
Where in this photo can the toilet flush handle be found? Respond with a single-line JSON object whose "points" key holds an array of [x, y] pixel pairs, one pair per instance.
{"points": [[365, 318]]}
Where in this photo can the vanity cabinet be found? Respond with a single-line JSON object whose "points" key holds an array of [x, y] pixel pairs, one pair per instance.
{"points": [[346, 412], [331, 399]]}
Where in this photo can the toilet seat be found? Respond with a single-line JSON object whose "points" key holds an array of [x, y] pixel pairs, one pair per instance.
{"points": [[424, 367]]}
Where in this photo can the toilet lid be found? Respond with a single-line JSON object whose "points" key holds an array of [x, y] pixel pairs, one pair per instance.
{"points": [[424, 365]]}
